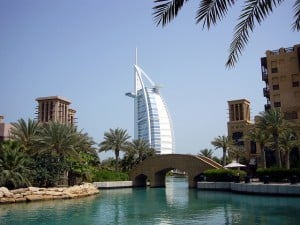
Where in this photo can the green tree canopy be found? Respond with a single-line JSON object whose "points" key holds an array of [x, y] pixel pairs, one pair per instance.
{"points": [[223, 143], [206, 152], [115, 140], [273, 123], [26, 133], [261, 137], [14, 165]]}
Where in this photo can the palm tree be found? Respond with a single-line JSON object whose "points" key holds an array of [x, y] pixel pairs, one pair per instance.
{"points": [[58, 138], [25, 133], [116, 140], [260, 137], [81, 167], [236, 152], [141, 149], [206, 153], [273, 123], [287, 141], [212, 11], [222, 142], [61, 141], [14, 166]]}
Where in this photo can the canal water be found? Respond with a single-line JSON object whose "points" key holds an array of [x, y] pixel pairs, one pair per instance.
{"points": [[175, 204]]}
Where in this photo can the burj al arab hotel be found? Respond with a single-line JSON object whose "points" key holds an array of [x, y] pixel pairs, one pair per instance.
{"points": [[152, 121]]}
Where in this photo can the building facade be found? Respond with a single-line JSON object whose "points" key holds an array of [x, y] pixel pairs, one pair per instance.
{"points": [[55, 108], [152, 121], [239, 125], [281, 74], [4, 129]]}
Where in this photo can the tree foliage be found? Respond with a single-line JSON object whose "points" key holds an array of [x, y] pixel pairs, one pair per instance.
{"points": [[206, 152], [116, 140], [210, 12], [45, 152], [223, 143], [14, 166]]}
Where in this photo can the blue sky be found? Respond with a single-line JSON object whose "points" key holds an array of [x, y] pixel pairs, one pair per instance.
{"points": [[85, 51]]}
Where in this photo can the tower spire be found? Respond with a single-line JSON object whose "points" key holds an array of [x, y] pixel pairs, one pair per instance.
{"points": [[136, 52]]}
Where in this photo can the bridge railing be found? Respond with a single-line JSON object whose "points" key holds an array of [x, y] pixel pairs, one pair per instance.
{"points": [[211, 162]]}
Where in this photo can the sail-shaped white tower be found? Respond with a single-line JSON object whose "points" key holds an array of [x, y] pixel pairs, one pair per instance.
{"points": [[152, 121]]}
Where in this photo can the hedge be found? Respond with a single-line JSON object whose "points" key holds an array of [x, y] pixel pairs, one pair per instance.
{"points": [[224, 175], [277, 174], [108, 175]]}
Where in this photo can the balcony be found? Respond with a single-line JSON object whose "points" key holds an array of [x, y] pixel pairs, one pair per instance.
{"points": [[267, 107], [264, 76], [266, 92]]}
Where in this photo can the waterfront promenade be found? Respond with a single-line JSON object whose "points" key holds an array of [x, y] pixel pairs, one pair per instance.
{"points": [[247, 188], [253, 187], [41, 194]]}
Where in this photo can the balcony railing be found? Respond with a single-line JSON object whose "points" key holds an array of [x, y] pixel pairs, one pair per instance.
{"points": [[267, 107], [264, 76], [266, 92]]}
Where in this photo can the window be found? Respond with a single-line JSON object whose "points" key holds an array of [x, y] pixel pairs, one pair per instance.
{"points": [[275, 83], [236, 112], [274, 68], [252, 147], [295, 80], [241, 112], [291, 115], [295, 84], [237, 138], [275, 86], [232, 112], [277, 104]]}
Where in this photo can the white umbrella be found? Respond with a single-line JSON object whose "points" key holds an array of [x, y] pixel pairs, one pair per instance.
{"points": [[234, 164]]}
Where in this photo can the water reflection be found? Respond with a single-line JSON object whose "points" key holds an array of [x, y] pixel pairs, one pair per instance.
{"points": [[177, 192], [175, 204]]}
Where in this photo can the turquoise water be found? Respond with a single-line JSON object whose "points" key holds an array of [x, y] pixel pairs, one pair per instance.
{"points": [[175, 204]]}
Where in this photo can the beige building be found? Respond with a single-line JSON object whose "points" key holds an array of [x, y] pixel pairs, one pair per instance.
{"points": [[55, 108], [238, 125], [281, 74], [4, 129]]}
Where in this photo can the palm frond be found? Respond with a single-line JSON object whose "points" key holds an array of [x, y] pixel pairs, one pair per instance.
{"points": [[296, 24], [166, 10], [211, 11], [253, 10]]}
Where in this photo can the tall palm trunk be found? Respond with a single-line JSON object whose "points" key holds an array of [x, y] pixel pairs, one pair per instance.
{"points": [[277, 151], [263, 156], [287, 160], [224, 156], [117, 153]]}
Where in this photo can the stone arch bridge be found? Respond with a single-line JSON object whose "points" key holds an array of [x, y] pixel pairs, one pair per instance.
{"points": [[154, 169]]}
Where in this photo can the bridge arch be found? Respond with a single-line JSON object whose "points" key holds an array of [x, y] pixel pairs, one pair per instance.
{"points": [[154, 169]]}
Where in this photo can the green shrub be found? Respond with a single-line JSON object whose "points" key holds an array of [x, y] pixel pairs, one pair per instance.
{"points": [[224, 175], [108, 175], [277, 174]]}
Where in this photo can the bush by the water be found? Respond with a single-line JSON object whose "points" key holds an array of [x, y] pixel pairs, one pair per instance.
{"points": [[109, 175], [277, 174], [224, 175]]}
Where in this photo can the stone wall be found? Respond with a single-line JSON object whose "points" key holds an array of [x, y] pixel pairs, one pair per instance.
{"points": [[40, 194], [254, 187]]}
